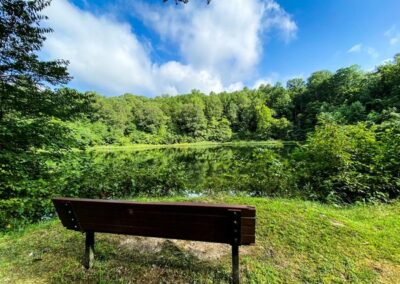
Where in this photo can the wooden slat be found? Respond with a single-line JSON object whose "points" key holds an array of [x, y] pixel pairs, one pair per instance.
{"points": [[68, 221], [251, 222], [198, 233], [188, 204], [245, 230], [189, 221], [189, 207], [155, 220], [248, 239]]}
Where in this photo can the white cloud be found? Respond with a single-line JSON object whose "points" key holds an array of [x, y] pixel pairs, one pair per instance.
{"points": [[276, 17], [359, 48], [261, 82], [355, 48], [387, 61], [174, 78], [393, 35], [274, 78], [271, 80], [220, 44], [235, 87], [372, 52], [224, 37], [102, 53]]}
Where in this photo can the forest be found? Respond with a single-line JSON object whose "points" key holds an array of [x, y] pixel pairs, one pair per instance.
{"points": [[348, 96], [317, 157], [346, 124]]}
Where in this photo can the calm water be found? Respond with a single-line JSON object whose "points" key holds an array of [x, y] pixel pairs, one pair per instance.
{"points": [[250, 170]]}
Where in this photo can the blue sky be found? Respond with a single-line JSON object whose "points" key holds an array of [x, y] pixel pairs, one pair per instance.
{"points": [[150, 48]]}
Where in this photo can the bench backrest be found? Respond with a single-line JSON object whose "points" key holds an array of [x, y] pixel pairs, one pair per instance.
{"points": [[231, 224]]}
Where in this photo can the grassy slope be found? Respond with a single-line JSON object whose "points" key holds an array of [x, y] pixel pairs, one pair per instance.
{"points": [[297, 241]]}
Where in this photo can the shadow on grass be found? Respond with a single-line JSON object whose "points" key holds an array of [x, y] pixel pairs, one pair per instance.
{"points": [[50, 254], [116, 264]]}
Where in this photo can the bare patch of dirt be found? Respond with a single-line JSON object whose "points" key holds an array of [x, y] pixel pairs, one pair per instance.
{"points": [[337, 223], [202, 250], [388, 272]]}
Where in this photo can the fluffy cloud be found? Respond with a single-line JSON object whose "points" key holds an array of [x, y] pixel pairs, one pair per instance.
{"points": [[393, 35], [355, 48], [224, 38], [174, 78], [103, 54], [277, 18], [235, 87], [218, 45], [358, 48], [271, 79]]}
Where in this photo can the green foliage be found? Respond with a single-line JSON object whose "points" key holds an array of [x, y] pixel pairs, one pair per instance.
{"points": [[348, 96], [20, 38], [264, 120], [349, 121], [191, 120], [346, 164], [269, 127], [214, 107], [32, 117], [219, 130], [253, 169], [149, 117], [390, 163]]}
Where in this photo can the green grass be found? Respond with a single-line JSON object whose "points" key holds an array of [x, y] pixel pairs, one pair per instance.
{"points": [[297, 242], [205, 144]]}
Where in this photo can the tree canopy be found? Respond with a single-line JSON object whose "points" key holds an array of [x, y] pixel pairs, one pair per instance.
{"points": [[32, 115]]}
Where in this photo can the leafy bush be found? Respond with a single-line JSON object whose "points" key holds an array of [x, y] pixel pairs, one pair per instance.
{"points": [[346, 163]]}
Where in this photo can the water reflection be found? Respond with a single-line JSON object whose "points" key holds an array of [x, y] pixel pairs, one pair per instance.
{"points": [[256, 171]]}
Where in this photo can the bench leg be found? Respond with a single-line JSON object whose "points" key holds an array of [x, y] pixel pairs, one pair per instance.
{"points": [[89, 250], [235, 264]]}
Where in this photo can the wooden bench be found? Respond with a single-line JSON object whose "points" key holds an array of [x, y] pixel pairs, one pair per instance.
{"points": [[229, 224]]}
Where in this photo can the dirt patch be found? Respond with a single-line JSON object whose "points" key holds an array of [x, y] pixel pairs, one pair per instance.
{"points": [[336, 223], [388, 272], [202, 250]]}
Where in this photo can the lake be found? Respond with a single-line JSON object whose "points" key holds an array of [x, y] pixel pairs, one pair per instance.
{"points": [[255, 170]]}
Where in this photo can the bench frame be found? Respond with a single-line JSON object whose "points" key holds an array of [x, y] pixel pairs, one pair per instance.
{"points": [[240, 230]]}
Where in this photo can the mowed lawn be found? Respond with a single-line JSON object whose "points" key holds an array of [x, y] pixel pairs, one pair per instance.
{"points": [[297, 242]]}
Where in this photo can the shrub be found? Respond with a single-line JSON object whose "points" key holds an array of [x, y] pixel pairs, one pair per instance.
{"points": [[344, 163]]}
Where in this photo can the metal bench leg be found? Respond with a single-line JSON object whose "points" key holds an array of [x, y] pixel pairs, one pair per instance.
{"points": [[235, 264], [89, 250]]}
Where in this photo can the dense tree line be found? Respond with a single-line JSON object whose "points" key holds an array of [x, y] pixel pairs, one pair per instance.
{"points": [[347, 96]]}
